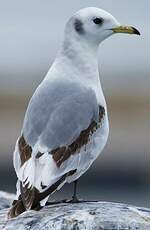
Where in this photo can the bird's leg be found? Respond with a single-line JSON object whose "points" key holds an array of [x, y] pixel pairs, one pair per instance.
{"points": [[74, 197], [73, 200]]}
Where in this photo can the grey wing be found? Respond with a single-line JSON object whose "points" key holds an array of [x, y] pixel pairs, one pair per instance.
{"points": [[57, 114]]}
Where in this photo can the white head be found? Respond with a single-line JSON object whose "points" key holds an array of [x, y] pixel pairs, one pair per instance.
{"points": [[94, 25]]}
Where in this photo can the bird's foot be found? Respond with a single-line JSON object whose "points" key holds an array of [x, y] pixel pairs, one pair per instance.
{"points": [[74, 200], [56, 202]]}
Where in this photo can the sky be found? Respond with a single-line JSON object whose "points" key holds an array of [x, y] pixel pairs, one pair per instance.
{"points": [[31, 32]]}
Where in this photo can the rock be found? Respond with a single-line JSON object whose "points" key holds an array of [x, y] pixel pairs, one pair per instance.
{"points": [[88, 215], [6, 199]]}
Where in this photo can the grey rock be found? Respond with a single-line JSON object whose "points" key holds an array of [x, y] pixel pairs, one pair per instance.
{"points": [[88, 215], [6, 199]]}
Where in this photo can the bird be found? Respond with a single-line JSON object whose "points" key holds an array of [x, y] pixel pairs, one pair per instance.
{"points": [[66, 124]]}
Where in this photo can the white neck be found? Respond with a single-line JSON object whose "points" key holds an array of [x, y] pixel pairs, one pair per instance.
{"points": [[78, 61]]}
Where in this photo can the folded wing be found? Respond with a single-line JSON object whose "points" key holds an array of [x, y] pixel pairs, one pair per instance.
{"points": [[57, 123]]}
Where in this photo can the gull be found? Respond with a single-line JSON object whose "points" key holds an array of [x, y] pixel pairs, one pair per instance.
{"points": [[66, 123]]}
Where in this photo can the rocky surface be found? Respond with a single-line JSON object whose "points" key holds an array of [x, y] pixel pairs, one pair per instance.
{"points": [[5, 200], [89, 215]]}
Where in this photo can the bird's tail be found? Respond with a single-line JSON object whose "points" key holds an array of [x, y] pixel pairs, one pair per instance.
{"points": [[16, 209], [30, 199], [19, 206]]}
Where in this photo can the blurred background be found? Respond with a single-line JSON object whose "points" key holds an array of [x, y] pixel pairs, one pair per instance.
{"points": [[30, 35]]}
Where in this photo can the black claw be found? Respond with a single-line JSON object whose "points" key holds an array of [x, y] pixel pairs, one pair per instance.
{"points": [[136, 31]]}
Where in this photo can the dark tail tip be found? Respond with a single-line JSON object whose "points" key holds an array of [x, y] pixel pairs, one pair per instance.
{"points": [[16, 209]]}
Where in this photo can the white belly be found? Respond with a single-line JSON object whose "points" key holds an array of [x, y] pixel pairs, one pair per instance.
{"points": [[91, 151]]}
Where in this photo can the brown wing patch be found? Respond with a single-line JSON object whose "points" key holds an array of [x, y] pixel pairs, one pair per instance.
{"points": [[63, 153], [24, 149]]}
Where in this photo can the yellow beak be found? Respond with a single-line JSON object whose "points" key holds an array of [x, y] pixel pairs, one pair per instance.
{"points": [[126, 30]]}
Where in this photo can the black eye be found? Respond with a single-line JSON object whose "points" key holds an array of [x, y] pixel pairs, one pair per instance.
{"points": [[98, 20]]}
